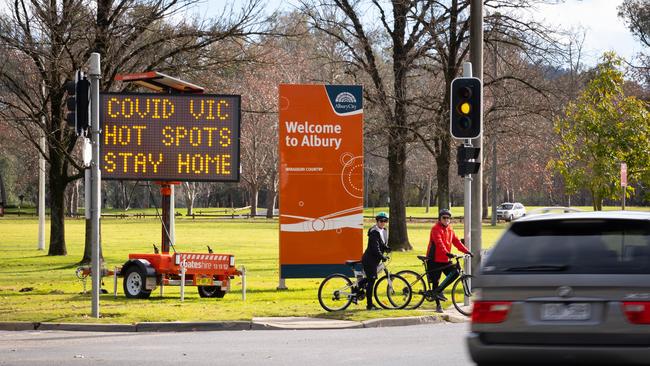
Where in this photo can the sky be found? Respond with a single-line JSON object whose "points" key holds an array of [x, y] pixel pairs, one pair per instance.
{"points": [[605, 31], [599, 18]]}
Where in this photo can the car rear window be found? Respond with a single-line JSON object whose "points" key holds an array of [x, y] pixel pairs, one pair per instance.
{"points": [[588, 246]]}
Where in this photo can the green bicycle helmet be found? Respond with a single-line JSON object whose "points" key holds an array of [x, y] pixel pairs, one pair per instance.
{"points": [[382, 216]]}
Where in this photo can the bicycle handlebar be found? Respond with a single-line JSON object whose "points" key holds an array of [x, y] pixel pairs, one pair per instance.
{"points": [[458, 257]]}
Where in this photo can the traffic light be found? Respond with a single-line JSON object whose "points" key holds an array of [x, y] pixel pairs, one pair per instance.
{"points": [[466, 108], [463, 156], [77, 103]]}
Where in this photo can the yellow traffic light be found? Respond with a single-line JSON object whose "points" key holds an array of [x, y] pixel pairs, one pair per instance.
{"points": [[465, 108]]}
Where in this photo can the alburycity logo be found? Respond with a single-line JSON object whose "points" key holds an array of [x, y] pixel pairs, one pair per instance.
{"points": [[345, 101]]}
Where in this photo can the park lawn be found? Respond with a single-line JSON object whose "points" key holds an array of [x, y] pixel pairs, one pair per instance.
{"points": [[52, 292], [242, 212]]}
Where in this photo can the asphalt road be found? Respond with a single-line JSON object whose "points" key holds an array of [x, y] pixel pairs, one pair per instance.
{"points": [[429, 344]]}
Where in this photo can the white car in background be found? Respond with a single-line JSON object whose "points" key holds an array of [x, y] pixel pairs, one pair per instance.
{"points": [[510, 211]]}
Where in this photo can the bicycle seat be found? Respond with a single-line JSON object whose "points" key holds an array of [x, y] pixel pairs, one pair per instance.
{"points": [[352, 263], [423, 258]]}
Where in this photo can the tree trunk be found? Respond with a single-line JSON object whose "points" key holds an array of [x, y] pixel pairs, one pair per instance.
{"points": [[486, 204], [87, 258], [3, 196], [428, 195], [442, 170], [57, 208], [398, 234], [270, 203], [189, 195], [254, 191]]}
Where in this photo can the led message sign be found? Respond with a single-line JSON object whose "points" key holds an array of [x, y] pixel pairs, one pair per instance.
{"points": [[170, 137]]}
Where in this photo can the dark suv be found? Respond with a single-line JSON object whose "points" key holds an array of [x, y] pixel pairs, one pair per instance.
{"points": [[565, 288]]}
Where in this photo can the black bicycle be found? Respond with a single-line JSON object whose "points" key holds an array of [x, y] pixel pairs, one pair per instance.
{"points": [[422, 289], [337, 291]]}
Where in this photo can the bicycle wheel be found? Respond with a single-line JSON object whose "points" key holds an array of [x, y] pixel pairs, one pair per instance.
{"points": [[461, 289], [335, 292], [393, 294], [418, 287]]}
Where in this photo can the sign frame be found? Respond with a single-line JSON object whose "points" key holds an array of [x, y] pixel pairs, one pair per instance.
{"points": [[321, 174], [236, 137]]}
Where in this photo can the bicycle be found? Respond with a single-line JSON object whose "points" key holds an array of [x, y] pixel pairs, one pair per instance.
{"points": [[424, 290], [337, 291]]}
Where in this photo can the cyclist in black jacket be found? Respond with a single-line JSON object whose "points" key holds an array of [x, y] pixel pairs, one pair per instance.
{"points": [[374, 254]]}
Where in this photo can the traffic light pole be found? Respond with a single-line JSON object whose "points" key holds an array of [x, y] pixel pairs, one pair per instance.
{"points": [[467, 72], [476, 56], [467, 226], [96, 270]]}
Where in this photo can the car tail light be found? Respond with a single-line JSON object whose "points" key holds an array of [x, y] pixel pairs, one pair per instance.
{"points": [[490, 311], [637, 312]]}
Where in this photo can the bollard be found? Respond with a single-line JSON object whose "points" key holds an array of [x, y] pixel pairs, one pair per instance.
{"points": [[243, 283]]}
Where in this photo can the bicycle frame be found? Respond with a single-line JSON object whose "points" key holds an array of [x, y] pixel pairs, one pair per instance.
{"points": [[429, 286], [351, 291]]}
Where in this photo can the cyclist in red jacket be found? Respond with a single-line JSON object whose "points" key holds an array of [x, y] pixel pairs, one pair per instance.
{"points": [[439, 253]]}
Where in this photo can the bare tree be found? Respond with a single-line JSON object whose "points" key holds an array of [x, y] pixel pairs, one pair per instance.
{"points": [[402, 34], [45, 42]]}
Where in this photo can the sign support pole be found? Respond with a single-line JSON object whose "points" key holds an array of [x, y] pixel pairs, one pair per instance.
{"points": [[623, 184], [95, 75]]}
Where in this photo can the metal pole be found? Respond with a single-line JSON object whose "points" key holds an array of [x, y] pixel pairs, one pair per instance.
{"points": [[95, 74], [468, 220], [115, 271], [494, 146], [243, 283], [494, 182], [467, 227], [182, 281], [172, 214], [476, 56], [623, 200]]}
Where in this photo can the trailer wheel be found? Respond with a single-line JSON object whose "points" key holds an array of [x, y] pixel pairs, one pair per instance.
{"points": [[211, 291], [134, 283]]}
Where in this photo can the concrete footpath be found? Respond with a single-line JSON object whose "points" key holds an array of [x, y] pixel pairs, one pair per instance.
{"points": [[290, 323]]}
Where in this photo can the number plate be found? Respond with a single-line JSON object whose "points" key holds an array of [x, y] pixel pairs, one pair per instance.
{"points": [[561, 311], [204, 281]]}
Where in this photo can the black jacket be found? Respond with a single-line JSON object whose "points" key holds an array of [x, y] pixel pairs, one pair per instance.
{"points": [[376, 246]]}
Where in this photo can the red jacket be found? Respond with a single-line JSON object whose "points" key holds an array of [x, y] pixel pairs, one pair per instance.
{"points": [[440, 242]]}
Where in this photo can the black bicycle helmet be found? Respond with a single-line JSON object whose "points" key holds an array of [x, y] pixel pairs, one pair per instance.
{"points": [[443, 212]]}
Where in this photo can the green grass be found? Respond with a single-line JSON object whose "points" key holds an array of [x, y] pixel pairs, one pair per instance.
{"points": [[55, 294], [413, 212]]}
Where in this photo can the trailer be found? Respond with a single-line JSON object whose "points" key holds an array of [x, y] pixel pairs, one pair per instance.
{"points": [[143, 272], [211, 273]]}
